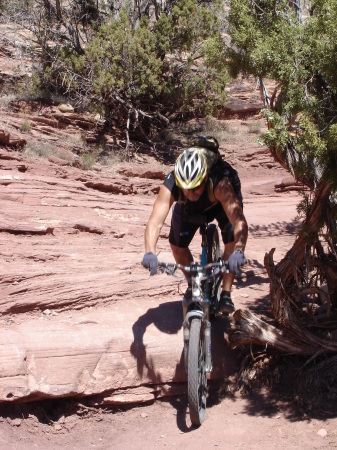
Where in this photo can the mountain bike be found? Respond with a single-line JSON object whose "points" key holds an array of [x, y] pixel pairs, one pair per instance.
{"points": [[197, 313]]}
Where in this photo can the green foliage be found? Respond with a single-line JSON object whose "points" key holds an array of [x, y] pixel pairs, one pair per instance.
{"points": [[266, 34], [189, 23], [124, 59], [309, 141], [175, 66], [139, 69], [270, 42], [25, 127], [322, 35], [277, 134], [332, 138], [195, 68]]}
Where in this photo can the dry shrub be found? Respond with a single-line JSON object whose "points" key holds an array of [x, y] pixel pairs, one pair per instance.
{"points": [[316, 385], [42, 149]]}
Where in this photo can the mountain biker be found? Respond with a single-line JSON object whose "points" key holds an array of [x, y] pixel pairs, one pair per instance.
{"points": [[201, 184]]}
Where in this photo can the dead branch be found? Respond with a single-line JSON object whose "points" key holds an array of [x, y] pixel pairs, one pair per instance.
{"points": [[249, 329], [295, 258]]}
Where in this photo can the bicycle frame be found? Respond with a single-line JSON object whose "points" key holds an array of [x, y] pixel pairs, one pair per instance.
{"points": [[201, 302]]}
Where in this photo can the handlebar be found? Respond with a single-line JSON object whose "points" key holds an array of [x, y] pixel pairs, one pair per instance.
{"points": [[175, 266], [220, 267], [171, 268]]}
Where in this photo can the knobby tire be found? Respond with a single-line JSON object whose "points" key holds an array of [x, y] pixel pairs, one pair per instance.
{"points": [[197, 376], [213, 255]]}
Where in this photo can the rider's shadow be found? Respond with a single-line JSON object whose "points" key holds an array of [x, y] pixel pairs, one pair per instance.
{"points": [[167, 317]]}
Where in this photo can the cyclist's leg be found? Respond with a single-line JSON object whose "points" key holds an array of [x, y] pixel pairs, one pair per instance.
{"points": [[182, 255], [180, 237], [227, 232], [228, 278]]}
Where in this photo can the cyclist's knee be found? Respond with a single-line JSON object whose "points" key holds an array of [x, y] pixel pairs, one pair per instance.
{"points": [[178, 250], [181, 254]]}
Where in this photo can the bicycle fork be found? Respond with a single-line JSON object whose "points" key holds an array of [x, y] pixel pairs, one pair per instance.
{"points": [[206, 330]]}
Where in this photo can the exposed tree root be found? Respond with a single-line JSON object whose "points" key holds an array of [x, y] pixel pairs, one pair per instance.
{"points": [[303, 289]]}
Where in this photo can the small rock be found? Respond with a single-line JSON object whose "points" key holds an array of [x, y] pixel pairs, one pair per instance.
{"points": [[58, 161], [16, 422], [66, 108], [322, 432], [57, 427]]}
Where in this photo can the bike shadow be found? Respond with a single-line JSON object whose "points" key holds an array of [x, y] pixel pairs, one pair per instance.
{"points": [[167, 317]]}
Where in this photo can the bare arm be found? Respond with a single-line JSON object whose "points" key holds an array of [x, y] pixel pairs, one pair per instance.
{"points": [[225, 194], [159, 213]]}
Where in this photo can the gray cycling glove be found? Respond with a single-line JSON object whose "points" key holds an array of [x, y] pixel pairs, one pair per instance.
{"points": [[235, 261], [150, 261]]}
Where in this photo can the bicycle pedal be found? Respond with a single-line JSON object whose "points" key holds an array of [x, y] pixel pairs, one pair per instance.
{"points": [[222, 314]]}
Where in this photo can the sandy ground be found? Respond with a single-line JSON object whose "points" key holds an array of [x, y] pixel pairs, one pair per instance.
{"points": [[232, 422]]}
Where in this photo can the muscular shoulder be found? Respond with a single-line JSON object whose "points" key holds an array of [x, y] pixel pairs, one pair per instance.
{"points": [[223, 171], [162, 204], [223, 189]]}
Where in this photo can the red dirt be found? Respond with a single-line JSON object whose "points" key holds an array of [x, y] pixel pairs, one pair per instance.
{"points": [[259, 421]]}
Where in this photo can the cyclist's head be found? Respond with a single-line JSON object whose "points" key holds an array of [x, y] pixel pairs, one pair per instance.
{"points": [[206, 142], [190, 169]]}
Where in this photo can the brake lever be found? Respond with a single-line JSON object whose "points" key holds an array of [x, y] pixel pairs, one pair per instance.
{"points": [[169, 271]]}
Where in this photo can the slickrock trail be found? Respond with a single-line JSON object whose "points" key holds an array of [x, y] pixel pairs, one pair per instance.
{"points": [[80, 317]]}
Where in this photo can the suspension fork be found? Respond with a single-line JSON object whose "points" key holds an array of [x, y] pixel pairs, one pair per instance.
{"points": [[205, 329]]}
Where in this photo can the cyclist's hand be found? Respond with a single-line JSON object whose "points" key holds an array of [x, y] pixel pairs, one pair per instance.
{"points": [[150, 261], [235, 261]]}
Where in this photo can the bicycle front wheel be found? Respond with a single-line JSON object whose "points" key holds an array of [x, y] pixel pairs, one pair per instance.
{"points": [[213, 244], [197, 376], [213, 255]]}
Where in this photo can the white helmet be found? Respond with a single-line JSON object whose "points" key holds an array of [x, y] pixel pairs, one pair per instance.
{"points": [[190, 169]]}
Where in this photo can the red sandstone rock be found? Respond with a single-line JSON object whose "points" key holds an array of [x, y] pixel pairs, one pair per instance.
{"points": [[79, 315], [11, 139]]}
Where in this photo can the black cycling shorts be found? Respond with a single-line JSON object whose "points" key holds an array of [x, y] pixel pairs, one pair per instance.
{"points": [[183, 229]]}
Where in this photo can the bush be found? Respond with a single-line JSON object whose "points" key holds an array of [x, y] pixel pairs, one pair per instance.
{"points": [[25, 127]]}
